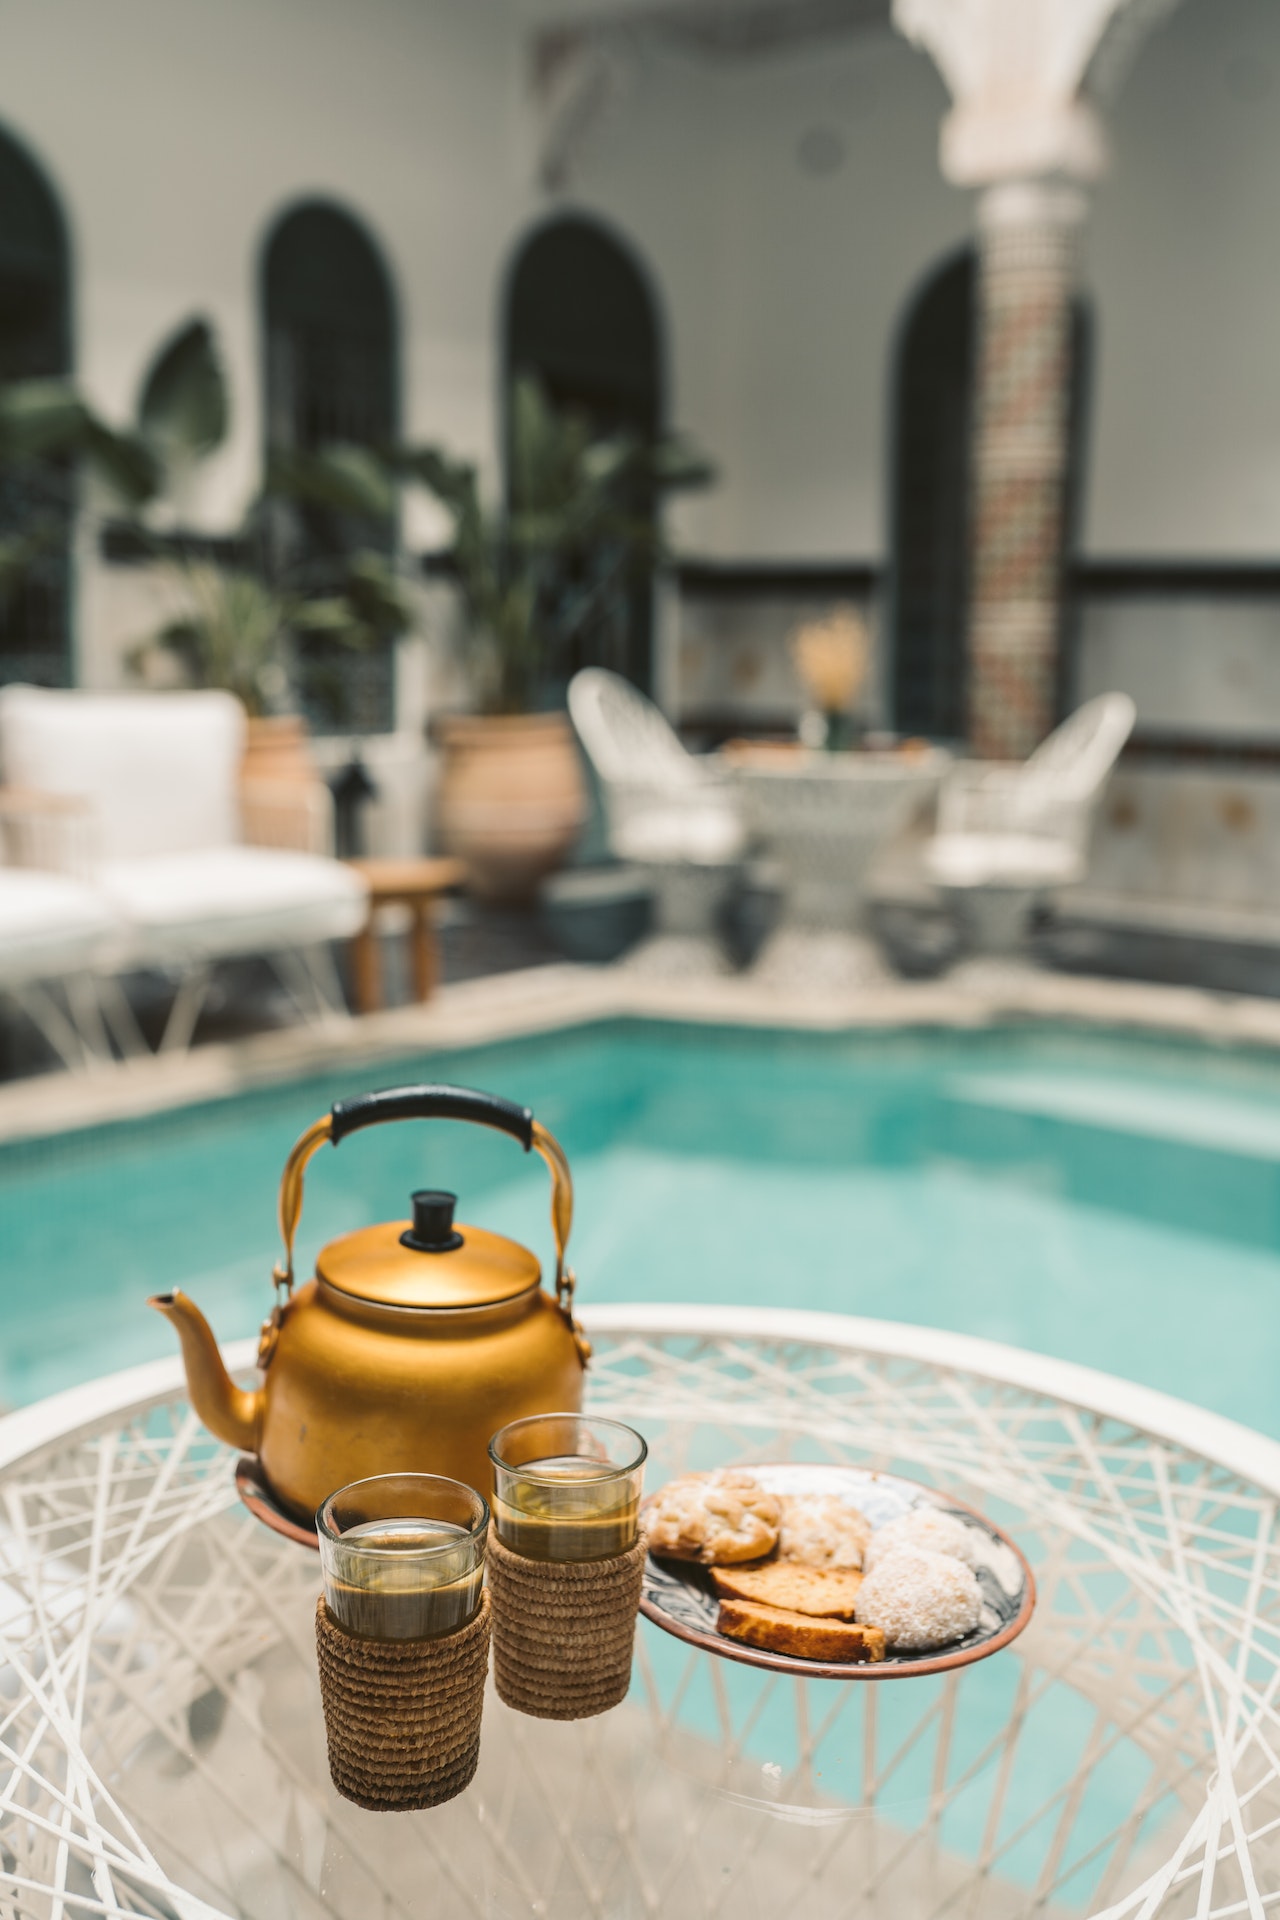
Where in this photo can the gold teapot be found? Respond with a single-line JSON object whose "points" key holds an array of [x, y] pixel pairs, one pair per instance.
{"points": [[416, 1340]]}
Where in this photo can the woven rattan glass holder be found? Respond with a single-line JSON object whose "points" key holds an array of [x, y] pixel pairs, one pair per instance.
{"points": [[565, 1563], [402, 1638], [563, 1632], [402, 1717]]}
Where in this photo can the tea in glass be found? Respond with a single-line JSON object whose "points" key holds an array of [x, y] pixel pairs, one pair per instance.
{"points": [[567, 1487], [403, 1555]]}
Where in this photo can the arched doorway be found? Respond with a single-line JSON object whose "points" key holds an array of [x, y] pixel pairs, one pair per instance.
{"points": [[36, 496], [580, 318], [331, 375], [932, 399], [929, 488]]}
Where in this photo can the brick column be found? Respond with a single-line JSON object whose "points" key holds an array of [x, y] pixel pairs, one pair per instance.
{"points": [[1027, 254]]}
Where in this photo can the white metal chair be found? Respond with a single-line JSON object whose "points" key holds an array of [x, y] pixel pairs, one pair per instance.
{"points": [[161, 840], [56, 934], [665, 810], [1007, 835]]}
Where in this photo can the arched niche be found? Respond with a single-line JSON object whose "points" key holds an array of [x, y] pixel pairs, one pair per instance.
{"points": [[929, 481], [35, 343], [331, 345], [932, 413], [580, 316], [331, 374]]}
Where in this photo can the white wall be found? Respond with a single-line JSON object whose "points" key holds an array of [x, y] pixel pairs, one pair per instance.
{"points": [[782, 287], [1185, 268], [176, 132]]}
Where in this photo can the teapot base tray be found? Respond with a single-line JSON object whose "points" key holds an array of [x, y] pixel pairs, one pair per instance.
{"points": [[256, 1492]]}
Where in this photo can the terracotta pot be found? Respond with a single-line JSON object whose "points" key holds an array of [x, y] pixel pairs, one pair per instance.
{"points": [[277, 747], [511, 799]]}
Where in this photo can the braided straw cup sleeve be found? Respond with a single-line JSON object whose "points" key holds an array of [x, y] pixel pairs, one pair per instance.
{"points": [[402, 1716], [563, 1631]]}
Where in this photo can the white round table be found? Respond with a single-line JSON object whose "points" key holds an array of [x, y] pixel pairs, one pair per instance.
{"points": [[824, 817], [162, 1746]]}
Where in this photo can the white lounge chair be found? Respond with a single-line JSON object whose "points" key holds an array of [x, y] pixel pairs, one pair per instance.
{"points": [[665, 810], [1009, 835], [160, 840], [56, 934]]}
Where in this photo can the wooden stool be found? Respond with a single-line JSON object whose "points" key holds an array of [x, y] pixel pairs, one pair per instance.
{"points": [[415, 884]]}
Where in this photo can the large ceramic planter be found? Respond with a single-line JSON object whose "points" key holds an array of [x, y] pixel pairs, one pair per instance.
{"points": [[277, 747], [511, 799]]}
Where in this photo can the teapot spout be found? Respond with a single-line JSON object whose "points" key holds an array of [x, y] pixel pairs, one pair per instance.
{"points": [[226, 1409]]}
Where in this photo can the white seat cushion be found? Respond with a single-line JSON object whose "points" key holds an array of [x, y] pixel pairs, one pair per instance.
{"points": [[51, 926], [158, 770], [1002, 860], [675, 835], [219, 901]]}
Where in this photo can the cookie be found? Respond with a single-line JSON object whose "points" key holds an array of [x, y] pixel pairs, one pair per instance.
{"points": [[919, 1600], [820, 1591], [820, 1530], [925, 1526], [781, 1631], [712, 1518]]}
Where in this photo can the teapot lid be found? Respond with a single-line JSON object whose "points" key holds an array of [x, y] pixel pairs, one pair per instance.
{"points": [[428, 1262]]}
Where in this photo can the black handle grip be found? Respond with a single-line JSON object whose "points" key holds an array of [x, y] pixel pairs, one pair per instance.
{"points": [[431, 1103]]}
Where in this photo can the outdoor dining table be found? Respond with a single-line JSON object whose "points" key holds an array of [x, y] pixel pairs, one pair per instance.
{"points": [[162, 1743], [824, 817]]}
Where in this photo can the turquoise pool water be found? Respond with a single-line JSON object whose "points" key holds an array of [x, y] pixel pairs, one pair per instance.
{"points": [[1110, 1200]]}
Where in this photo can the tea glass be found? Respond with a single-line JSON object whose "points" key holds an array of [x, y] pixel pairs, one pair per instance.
{"points": [[567, 1487], [403, 1555]]}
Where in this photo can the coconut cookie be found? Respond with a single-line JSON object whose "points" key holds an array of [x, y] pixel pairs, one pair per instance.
{"points": [[820, 1530], [920, 1600], [925, 1527], [713, 1518]]}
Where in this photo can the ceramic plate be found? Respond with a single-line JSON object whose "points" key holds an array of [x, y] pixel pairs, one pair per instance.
{"points": [[678, 1596]]}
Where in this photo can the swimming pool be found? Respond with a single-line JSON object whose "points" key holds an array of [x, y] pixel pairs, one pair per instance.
{"points": [[1102, 1198]]}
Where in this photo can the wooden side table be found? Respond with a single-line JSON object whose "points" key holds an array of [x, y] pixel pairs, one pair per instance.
{"points": [[416, 884]]}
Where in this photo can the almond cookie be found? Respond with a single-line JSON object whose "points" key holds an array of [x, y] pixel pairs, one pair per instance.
{"points": [[710, 1517], [821, 1530]]}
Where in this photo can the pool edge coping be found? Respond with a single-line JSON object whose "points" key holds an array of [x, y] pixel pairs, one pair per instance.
{"points": [[555, 998]]}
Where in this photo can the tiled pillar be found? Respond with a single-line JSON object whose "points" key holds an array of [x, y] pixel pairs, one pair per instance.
{"points": [[1027, 253]]}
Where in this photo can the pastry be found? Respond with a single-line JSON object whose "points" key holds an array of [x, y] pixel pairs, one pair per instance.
{"points": [[925, 1526], [713, 1518], [821, 1591], [820, 1530], [920, 1600], [781, 1631]]}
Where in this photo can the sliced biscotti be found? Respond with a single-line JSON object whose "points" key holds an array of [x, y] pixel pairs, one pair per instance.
{"points": [[779, 1630], [822, 1591]]}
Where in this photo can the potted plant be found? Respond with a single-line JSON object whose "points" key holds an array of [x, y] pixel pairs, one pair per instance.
{"points": [[542, 577], [262, 618]]}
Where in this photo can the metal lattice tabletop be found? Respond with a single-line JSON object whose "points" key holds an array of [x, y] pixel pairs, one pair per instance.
{"points": [[162, 1748]]}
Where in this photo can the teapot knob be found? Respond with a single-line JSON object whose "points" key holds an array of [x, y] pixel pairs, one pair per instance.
{"points": [[433, 1230]]}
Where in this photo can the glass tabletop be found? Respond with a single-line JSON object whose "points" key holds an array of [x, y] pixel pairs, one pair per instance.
{"points": [[163, 1745]]}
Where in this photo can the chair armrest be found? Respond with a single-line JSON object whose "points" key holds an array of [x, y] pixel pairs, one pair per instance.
{"points": [[50, 831], [296, 815]]}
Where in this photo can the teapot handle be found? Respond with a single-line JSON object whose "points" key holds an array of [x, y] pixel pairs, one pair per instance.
{"points": [[430, 1102]]}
